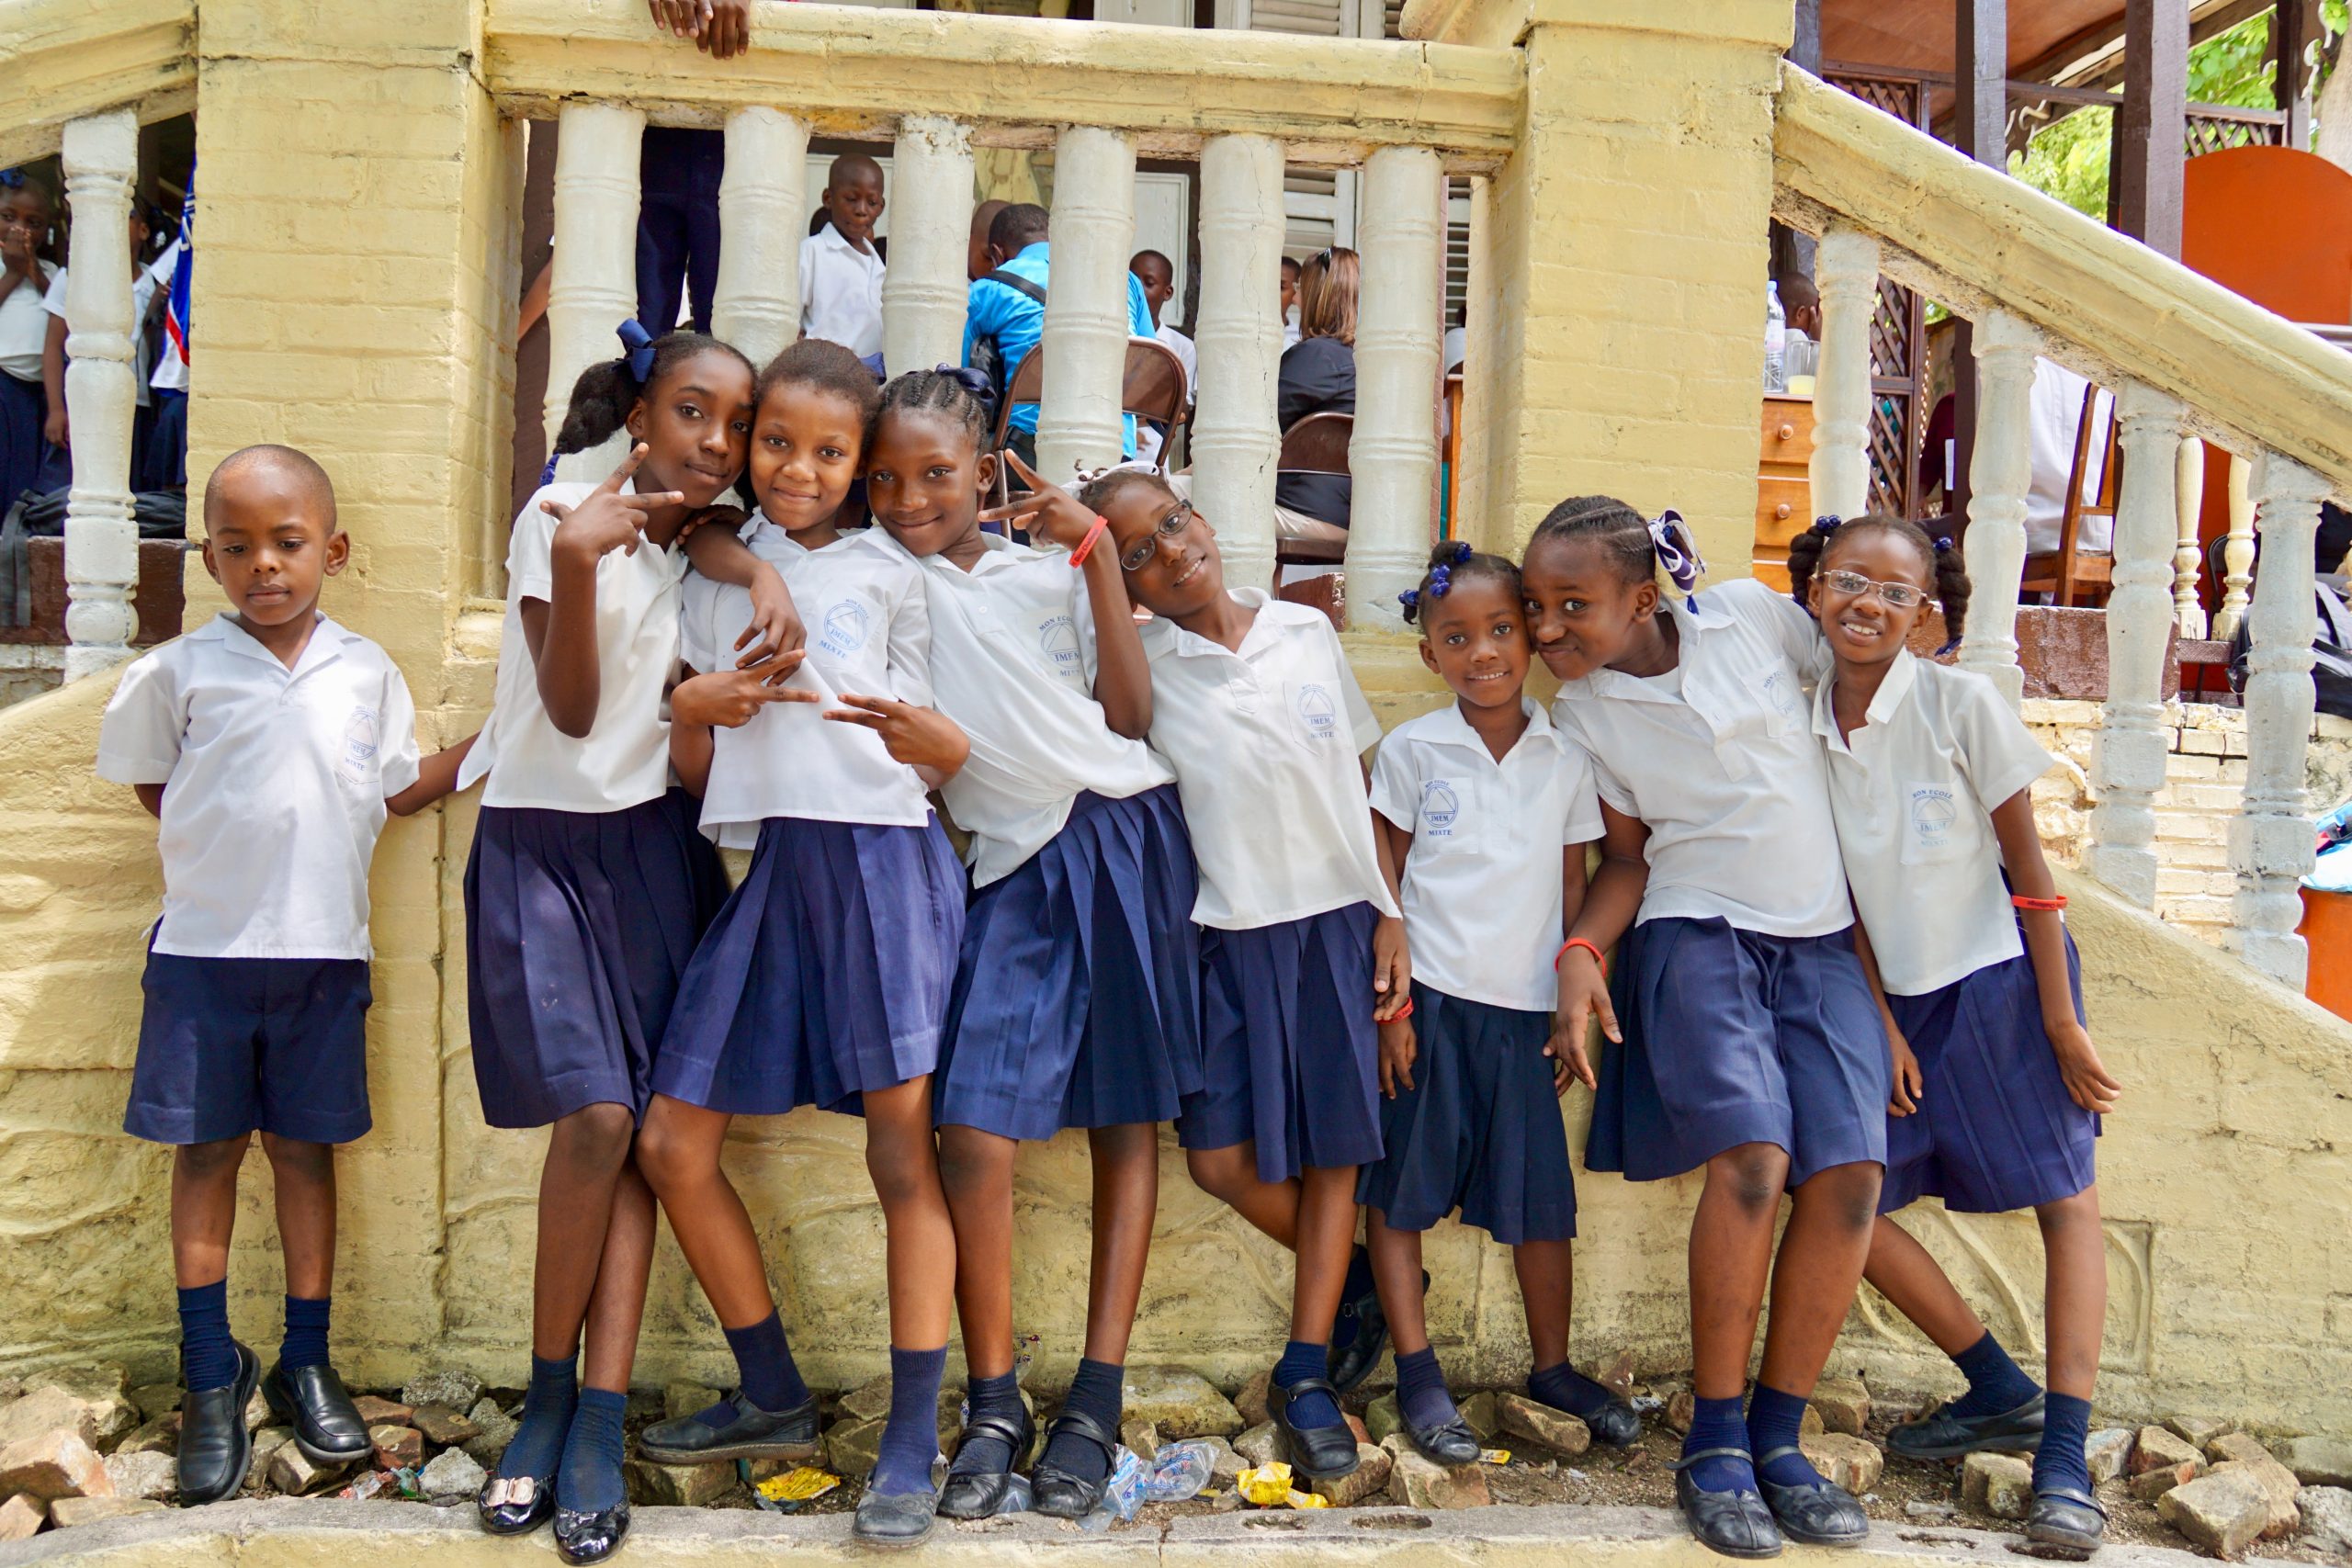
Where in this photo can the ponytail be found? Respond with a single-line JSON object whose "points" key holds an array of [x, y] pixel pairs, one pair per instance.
{"points": [[606, 391], [1450, 562]]}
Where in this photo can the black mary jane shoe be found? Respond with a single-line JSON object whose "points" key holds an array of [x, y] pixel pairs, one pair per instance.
{"points": [[1941, 1435], [2066, 1521], [215, 1448], [1350, 1363], [1615, 1424], [1816, 1513], [590, 1536], [1731, 1524], [977, 1495], [312, 1401], [751, 1433], [514, 1506], [1449, 1443], [1319, 1453], [1061, 1494], [893, 1524]]}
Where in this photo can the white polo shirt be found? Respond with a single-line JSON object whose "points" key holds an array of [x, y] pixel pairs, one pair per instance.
{"points": [[1721, 767], [24, 328], [1482, 880], [869, 632], [624, 759], [274, 785], [1265, 742], [1010, 665], [841, 293], [1912, 791]]}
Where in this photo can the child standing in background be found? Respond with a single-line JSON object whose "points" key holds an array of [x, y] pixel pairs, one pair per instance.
{"points": [[26, 213], [841, 275]]}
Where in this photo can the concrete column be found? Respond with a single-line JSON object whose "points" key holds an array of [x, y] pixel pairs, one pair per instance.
{"points": [[924, 292], [762, 217], [100, 156], [1086, 301], [1235, 442], [1846, 271], [1392, 454], [594, 288], [1999, 472], [2237, 552]]}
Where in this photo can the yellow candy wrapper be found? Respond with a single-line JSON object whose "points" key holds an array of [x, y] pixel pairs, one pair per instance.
{"points": [[1267, 1487], [1306, 1500], [1494, 1456], [798, 1486]]}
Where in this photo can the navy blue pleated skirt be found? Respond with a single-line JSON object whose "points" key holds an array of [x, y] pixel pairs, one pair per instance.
{"points": [[1479, 1131], [1289, 1053], [1078, 994], [1996, 1129], [577, 927], [1734, 1037], [23, 450], [825, 975]]}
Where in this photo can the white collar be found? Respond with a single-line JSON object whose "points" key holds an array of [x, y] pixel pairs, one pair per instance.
{"points": [[324, 646], [1446, 726], [1699, 614], [834, 240], [1892, 691], [1263, 624]]}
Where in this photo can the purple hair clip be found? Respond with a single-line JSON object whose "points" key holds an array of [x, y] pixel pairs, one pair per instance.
{"points": [[637, 349], [1945, 543], [1675, 553], [1825, 527], [12, 179], [1462, 551], [1440, 582], [1410, 598], [964, 377]]}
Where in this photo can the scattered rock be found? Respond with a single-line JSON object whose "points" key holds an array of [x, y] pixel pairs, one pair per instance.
{"points": [[21, 1516], [1998, 1484], [1917, 1508], [1843, 1404], [258, 1411], [1681, 1410], [496, 1429], [2318, 1461], [2109, 1451], [2223, 1513], [11, 1388], [51, 1465], [1539, 1423], [377, 1411], [2327, 1517], [1179, 1402], [2151, 1485], [2242, 1450], [1382, 1418], [267, 1442], [1141, 1437], [142, 1474], [1258, 1444], [157, 1399], [1367, 1480], [398, 1447], [160, 1435], [1479, 1411], [1419, 1483], [455, 1390], [1854, 1463], [677, 1485], [1355, 1426], [451, 1474], [2159, 1448], [2199, 1430], [1811, 1423], [1225, 1465], [83, 1383], [641, 1406], [1619, 1379], [1251, 1402], [442, 1426], [297, 1474], [680, 1399], [68, 1512], [852, 1446], [97, 1420]]}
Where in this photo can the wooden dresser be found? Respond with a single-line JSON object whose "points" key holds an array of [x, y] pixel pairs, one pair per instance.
{"points": [[1784, 492]]}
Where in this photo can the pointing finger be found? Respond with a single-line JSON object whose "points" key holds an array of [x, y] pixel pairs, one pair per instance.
{"points": [[621, 475]]}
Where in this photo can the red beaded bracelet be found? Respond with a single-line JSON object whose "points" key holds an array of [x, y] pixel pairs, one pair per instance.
{"points": [[1086, 546], [2022, 902]]}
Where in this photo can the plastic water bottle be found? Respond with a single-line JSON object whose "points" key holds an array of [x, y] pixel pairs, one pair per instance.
{"points": [[1121, 1494], [1179, 1472], [1776, 340]]}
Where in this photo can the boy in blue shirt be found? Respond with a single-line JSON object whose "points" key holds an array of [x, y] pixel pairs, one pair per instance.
{"points": [[1016, 319]]}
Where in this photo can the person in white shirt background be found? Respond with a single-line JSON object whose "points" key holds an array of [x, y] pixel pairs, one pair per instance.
{"points": [[26, 213], [145, 279], [1158, 276], [840, 274], [2053, 421]]}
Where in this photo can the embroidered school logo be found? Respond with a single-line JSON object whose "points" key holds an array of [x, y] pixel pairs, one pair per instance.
{"points": [[846, 625], [1318, 715], [1441, 808], [1058, 639], [1781, 692], [356, 764], [1933, 816]]}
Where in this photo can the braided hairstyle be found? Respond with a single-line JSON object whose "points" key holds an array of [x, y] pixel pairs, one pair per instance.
{"points": [[826, 367], [948, 389], [1941, 554], [608, 389], [1097, 494], [1636, 549], [1450, 562]]}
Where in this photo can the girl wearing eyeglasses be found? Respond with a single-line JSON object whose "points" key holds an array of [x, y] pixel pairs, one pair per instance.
{"points": [[1997, 1087]]}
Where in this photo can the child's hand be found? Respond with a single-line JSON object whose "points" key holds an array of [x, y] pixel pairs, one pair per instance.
{"points": [[1907, 1084], [1399, 1049], [1568, 1058], [921, 738], [727, 518], [1048, 511], [1583, 995], [682, 18], [56, 430], [725, 29], [2078, 1064], [728, 698], [605, 520], [776, 627], [1392, 969]]}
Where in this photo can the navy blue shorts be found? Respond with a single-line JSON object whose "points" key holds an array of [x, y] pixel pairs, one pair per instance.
{"points": [[1289, 1053], [231, 1045], [1479, 1131], [1996, 1129], [825, 975], [1078, 994], [1734, 1037]]}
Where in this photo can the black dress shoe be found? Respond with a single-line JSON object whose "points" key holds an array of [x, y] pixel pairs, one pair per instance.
{"points": [[1351, 1362], [1448, 1443], [1060, 1494], [893, 1524], [312, 1401], [590, 1537], [215, 1448], [515, 1506], [1320, 1453], [750, 1433], [1941, 1435], [977, 1495], [1735, 1524], [2066, 1520], [1615, 1424], [1814, 1512]]}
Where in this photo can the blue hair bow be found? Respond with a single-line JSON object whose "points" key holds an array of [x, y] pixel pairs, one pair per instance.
{"points": [[964, 377], [1825, 527], [1943, 543], [12, 179], [1462, 552], [637, 349], [1441, 580], [1675, 552]]}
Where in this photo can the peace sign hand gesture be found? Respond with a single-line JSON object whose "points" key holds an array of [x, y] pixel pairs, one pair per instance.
{"points": [[921, 738], [728, 699], [1047, 512], [606, 520]]}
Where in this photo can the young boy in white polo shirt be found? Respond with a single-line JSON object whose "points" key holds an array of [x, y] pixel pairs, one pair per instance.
{"points": [[270, 743], [840, 272]]}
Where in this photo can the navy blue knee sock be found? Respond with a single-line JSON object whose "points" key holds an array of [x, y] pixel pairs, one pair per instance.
{"points": [[1421, 1394], [2065, 1432], [1996, 1383], [1565, 1388], [547, 1404], [999, 1395], [1718, 1424], [1774, 1419], [305, 1344], [763, 1365], [910, 1438], [1301, 1361], [1098, 1389], [590, 1477], [208, 1356]]}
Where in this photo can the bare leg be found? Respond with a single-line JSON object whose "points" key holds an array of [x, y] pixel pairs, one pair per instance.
{"points": [[1397, 1274], [586, 1153], [304, 1177], [1822, 1252], [976, 1173], [1547, 1290], [2074, 1290], [617, 1306], [677, 1153], [904, 1160], [1907, 1276], [1126, 1199], [204, 1208], [1731, 1256], [1327, 1238], [1230, 1175]]}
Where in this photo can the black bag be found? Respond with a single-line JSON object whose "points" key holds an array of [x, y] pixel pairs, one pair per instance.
{"points": [[987, 357], [160, 513], [2331, 653]]}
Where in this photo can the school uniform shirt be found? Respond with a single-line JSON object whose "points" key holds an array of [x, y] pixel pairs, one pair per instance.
{"points": [[1011, 664], [841, 293], [274, 785], [1719, 762], [24, 326], [1482, 881], [1183, 348], [624, 759], [1265, 740], [869, 632], [144, 283], [1913, 791]]}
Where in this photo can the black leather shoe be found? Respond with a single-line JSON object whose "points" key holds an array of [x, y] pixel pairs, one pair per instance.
{"points": [[893, 1524], [215, 1448], [1939, 1435], [1735, 1524], [1615, 1424], [2067, 1521], [590, 1537], [515, 1506], [312, 1401], [1060, 1495], [751, 1433], [1353, 1356], [977, 1495], [1320, 1453], [1814, 1512], [1448, 1443]]}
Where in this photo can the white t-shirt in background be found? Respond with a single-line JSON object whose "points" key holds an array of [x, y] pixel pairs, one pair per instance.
{"points": [[24, 326], [841, 293]]}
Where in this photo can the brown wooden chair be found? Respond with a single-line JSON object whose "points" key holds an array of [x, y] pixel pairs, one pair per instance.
{"points": [[1154, 389], [1027, 386], [1317, 444], [2068, 574]]}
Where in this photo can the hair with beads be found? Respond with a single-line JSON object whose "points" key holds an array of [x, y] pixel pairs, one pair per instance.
{"points": [[948, 390], [608, 389], [1940, 554], [1452, 561], [1638, 547]]}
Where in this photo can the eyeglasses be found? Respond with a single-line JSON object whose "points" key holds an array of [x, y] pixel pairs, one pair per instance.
{"points": [[1853, 584], [1169, 527]]}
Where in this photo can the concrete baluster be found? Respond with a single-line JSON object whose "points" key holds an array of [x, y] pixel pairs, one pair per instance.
{"points": [[1086, 301], [1998, 474], [1236, 443], [100, 156], [594, 286], [2237, 552], [1393, 454], [924, 292], [1846, 271], [2188, 550], [762, 217]]}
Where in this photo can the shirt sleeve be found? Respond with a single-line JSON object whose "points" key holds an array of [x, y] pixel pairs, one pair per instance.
{"points": [[697, 607], [53, 301], [139, 741], [1998, 751], [1361, 722], [909, 644], [396, 757], [1138, 311], [1395, 783], [809, 254], [977, 319], [1612, 789], [1780, 617], [530, 570], [1582, 823]]}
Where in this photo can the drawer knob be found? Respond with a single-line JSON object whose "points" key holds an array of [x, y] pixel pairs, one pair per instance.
{"points": [[1782, 510], [1788, 432]]}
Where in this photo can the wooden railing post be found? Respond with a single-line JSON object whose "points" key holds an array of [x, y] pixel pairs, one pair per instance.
{"points": [[2188, 550], [762, 217], [924, 290], [1393, 454], [595, 287], [1999, 472], [1086, 301], [2237, 551], [1234, 444], [101, 156], [1846, 272]]}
